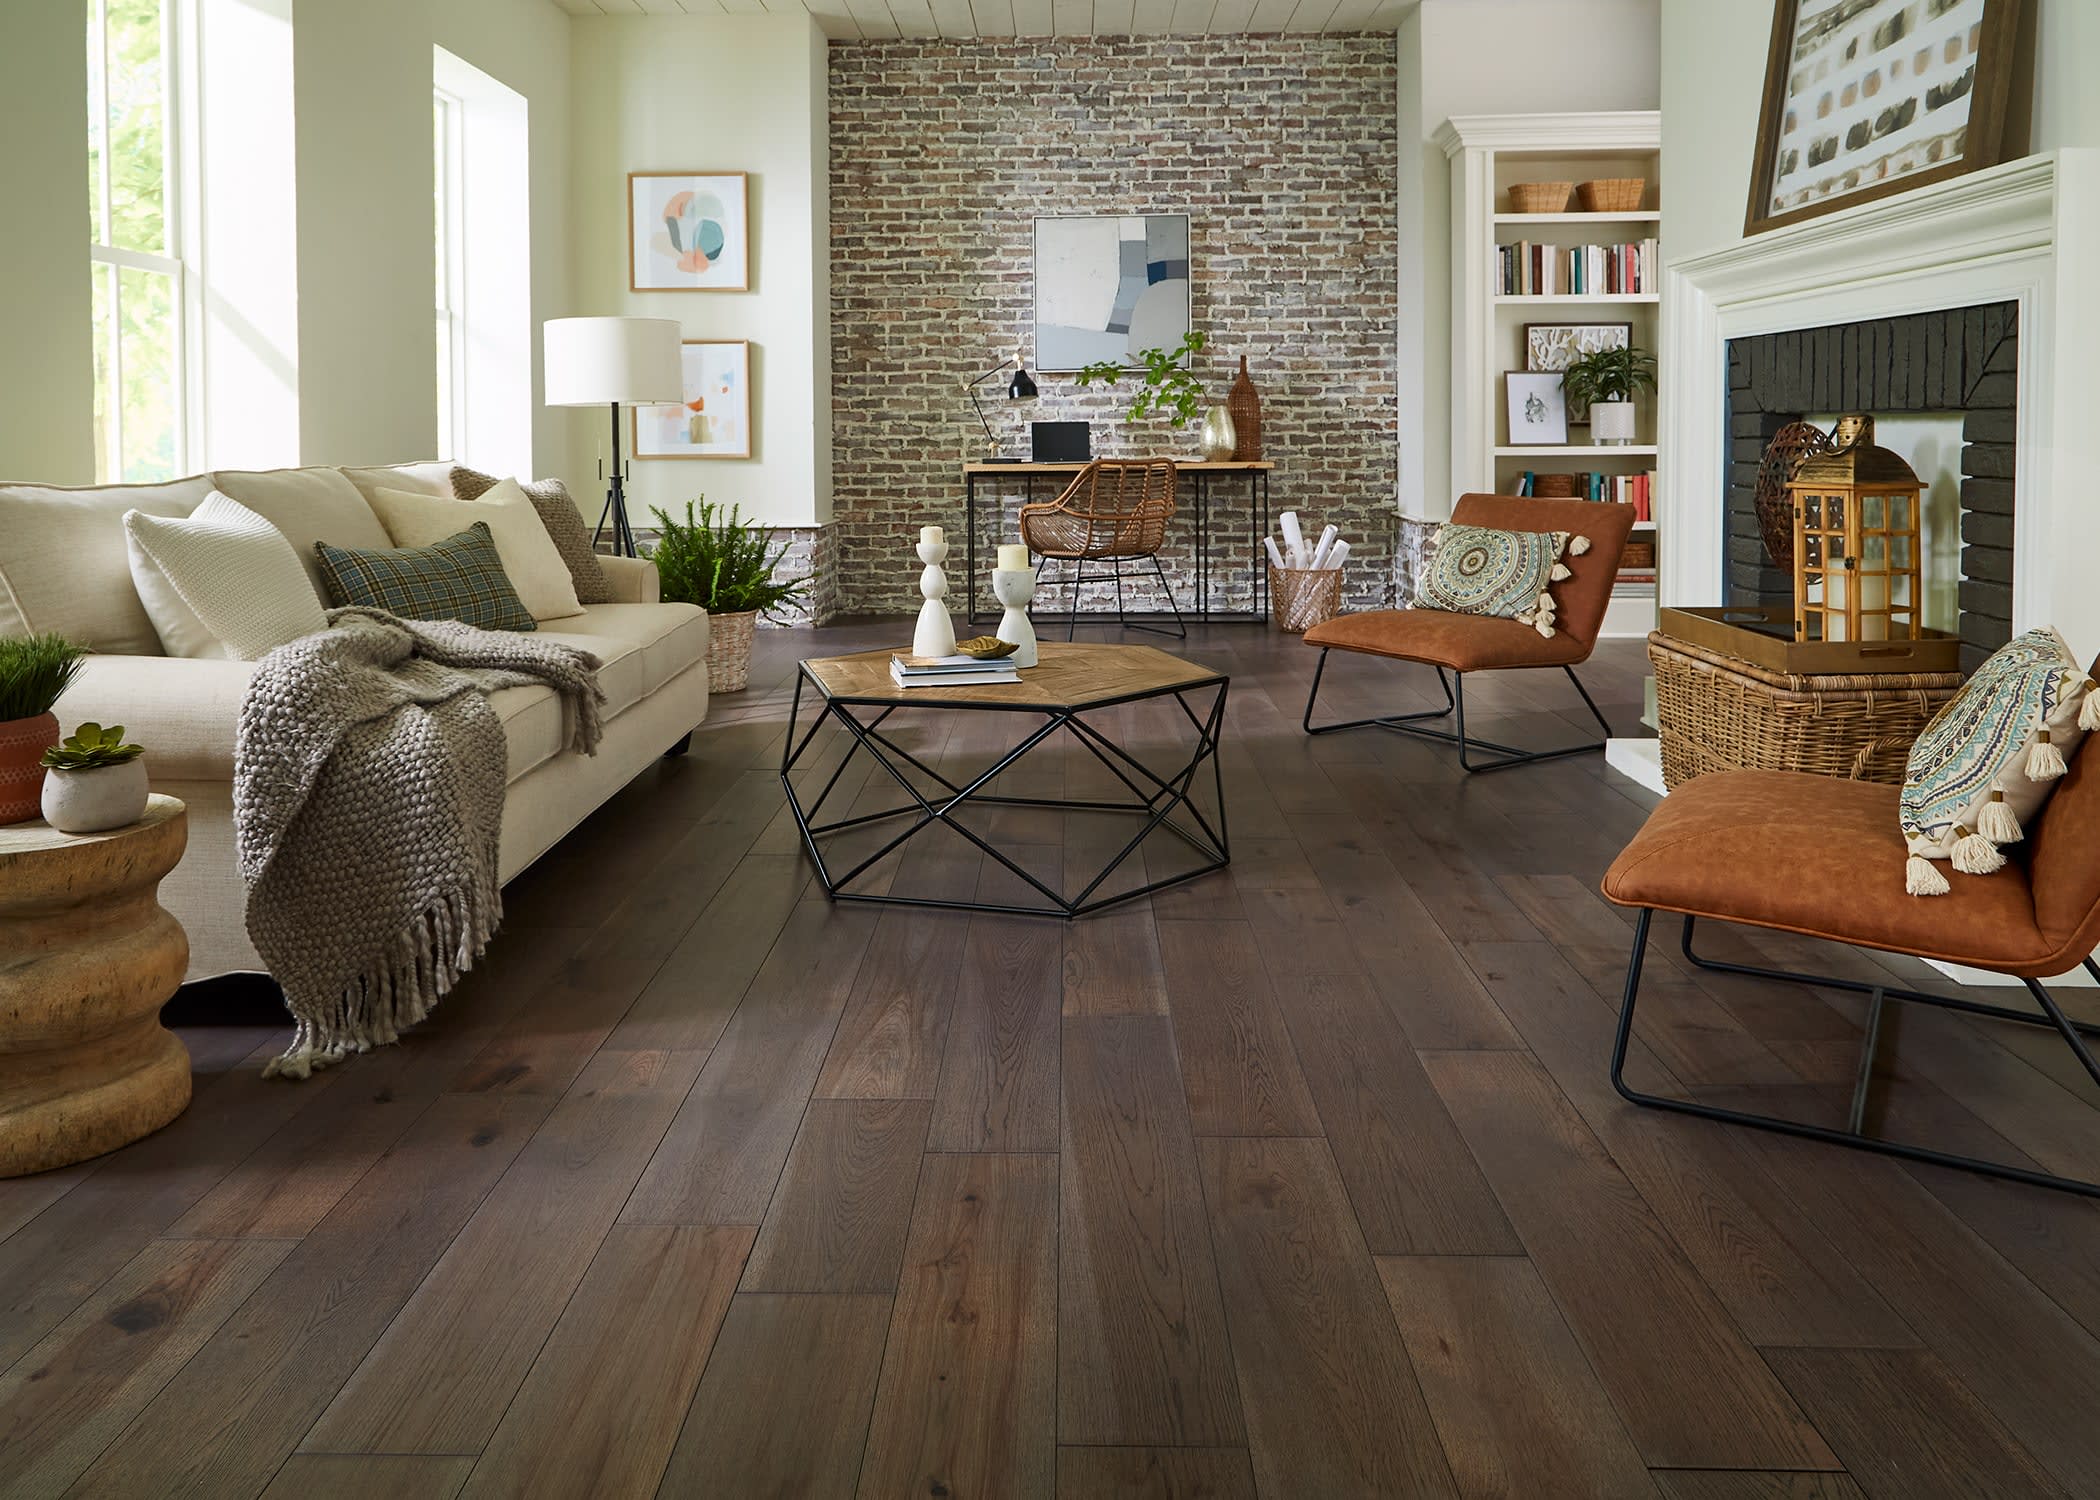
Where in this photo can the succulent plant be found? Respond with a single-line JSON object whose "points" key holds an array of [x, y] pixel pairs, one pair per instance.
{"points": [[90, 748]]}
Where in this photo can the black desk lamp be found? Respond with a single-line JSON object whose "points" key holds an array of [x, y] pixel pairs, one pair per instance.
{"points": [[1020, 388]]}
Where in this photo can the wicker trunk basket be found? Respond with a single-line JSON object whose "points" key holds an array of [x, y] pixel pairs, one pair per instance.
{"points": [[1300, 598], [729, 651], [1716, 712]]}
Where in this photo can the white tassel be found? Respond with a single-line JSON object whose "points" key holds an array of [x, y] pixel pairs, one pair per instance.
{"points": [[2089, 712], [1560, 572], [1996, 822], [1974, 854], [2044, 762], [1578, 546], [1544, 628], [1921, 878]]}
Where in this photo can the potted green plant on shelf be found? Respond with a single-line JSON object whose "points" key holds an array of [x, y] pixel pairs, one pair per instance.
{"points": [[714, 560], [1170, 388], [1607, 380], [34, 672], [94, 780]]}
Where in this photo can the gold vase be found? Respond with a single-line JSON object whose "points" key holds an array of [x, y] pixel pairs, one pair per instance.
{"points": [[1218, 437]]}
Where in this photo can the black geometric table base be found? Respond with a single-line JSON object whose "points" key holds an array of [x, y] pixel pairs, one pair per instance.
{"points": [[1160, 801]]}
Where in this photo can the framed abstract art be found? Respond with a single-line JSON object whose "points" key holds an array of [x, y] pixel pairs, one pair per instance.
{"points": [[688, 232], [1109, 286], [1864, 98], [714, 421]]}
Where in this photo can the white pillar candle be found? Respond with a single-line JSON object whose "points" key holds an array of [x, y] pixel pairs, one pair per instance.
{"points": [[932, 534], [1013, 557]]}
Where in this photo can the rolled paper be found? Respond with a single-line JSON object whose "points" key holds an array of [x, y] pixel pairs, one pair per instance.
{"points": [[1337, 554], [1293, 538], [1013, 557], [1275, 557], [1327, 539], [932, 534]]}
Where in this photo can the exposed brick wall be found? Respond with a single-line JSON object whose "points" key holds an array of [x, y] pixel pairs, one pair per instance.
{"points": [[808, 556], [1282, 150], [1958, 360]]}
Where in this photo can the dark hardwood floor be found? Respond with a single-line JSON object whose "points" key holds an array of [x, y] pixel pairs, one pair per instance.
{"points": [[1303, 1180]]}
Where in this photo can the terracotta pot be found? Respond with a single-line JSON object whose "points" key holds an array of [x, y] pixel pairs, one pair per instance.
{"points": [[22, 746], [98, 800]]}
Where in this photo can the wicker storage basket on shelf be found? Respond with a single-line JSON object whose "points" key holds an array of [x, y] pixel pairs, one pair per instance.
{"points": [[1300, 598], [1716, 712], [1613, 195], [1540, 197]]}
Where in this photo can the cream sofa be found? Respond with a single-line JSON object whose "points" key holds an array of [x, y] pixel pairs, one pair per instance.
{"points": [[63, 568]]}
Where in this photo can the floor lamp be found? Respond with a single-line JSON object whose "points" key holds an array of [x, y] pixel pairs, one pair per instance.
{"points": [[614, 362]]}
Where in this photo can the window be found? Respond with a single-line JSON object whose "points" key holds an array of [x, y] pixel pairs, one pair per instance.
{"points": [[447, 119], [135, 256]]}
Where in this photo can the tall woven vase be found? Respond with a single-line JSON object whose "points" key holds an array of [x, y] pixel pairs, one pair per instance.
{"points": [[1245, 405]]}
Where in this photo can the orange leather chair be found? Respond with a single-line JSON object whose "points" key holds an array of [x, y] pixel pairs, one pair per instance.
{"points": [[1823, 858], [1484, 643]]}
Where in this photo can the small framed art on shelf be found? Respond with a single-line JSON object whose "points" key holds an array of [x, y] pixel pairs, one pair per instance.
{"points": [[1538, 407]]}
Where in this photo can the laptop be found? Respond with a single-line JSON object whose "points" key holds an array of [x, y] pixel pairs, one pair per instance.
{"points": [[1061, 442]]}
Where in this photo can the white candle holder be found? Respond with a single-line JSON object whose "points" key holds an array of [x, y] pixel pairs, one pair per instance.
{"points": [[936, 633], [1014, 588]]}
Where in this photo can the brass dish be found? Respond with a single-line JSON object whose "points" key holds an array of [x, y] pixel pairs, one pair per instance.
{"points": [[987, 647]]}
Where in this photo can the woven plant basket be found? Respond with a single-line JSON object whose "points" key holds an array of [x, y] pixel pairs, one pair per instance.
{"points": [[1613, 195], [1540, 197], [1715, 712], [729, 651], [1300, 598]]}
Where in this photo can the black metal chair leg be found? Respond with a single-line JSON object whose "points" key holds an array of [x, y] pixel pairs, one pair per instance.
{"points": [[1078, 577], [2052, 1016], [1454, 707], [1180, 629]]}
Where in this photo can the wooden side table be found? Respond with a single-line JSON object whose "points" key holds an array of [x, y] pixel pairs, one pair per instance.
{"points": [[87, 959]]}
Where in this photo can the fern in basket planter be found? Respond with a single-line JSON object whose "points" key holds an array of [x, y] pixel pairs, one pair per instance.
{"points": [[714, 560]]}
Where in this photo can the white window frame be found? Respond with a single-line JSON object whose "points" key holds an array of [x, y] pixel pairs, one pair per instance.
{"points": [[179, 159], [451, 293]]}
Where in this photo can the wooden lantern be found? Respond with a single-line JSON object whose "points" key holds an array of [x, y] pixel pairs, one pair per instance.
{"points": [[1856, 552]]}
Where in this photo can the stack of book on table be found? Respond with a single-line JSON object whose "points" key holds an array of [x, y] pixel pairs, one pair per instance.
{"points": [[949, 671]]}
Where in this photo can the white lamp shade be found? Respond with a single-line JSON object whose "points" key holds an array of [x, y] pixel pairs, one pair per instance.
{"points": [[596, 361]]}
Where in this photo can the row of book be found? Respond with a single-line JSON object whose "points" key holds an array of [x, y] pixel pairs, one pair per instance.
{"points": [[1636, 490], [950, 671], [1527, 269]]}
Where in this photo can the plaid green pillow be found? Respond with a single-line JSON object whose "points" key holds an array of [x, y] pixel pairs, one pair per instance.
{"points": [[460, 578]]}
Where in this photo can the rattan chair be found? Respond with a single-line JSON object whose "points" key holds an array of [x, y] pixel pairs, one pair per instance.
{"points": [[1114, 511]]}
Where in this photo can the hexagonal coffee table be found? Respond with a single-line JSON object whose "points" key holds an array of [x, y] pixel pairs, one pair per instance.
{"points": [[1071, 682]]}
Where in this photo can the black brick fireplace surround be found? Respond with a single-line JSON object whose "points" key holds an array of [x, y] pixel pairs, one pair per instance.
{"points": [[1961, 360]]}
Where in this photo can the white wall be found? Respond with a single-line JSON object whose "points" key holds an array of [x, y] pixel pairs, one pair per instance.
{"points": [[47, 377], [741, 93], [1488, 57], [1710, 111]]}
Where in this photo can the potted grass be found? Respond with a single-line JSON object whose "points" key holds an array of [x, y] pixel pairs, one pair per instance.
{"points": [[1607, 380], [94, 780], [714, 560], [34, 671]]}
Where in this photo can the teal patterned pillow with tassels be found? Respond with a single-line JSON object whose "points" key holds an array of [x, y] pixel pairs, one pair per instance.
{"points": [[1478, 570], [1989, 759]]}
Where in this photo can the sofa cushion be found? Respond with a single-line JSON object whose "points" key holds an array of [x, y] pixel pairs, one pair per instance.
{"points": [[460, 578], [1464, 643], [641, 646], [308, 506], [534, 567], [424, 478], [564, 523], [221, 582], [63, 563]]}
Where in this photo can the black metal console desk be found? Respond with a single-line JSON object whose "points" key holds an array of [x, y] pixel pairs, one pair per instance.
{"points": [[1053, 478]]}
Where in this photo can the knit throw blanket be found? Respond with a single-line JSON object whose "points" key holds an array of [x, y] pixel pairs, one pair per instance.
{"points": [[368, 791]]}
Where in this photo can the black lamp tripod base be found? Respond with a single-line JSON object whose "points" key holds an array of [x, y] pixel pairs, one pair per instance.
{"points": [[614, 516]]}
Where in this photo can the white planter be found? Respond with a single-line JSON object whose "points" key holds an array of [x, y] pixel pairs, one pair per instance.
{"points": [[95, 801], [1611, 421]]}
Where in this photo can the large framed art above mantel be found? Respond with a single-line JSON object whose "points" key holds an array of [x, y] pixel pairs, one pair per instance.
{"points": [[1864, 98]]}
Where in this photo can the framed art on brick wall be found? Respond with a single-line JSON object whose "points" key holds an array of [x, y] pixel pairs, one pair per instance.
{"points": [[715, 419], [688, 232], [1108, 286]]}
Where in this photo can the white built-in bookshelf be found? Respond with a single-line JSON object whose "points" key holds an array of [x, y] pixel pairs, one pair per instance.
{"points": [[1489, 153]]}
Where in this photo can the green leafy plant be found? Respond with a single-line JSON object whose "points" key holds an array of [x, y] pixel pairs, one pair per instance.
{"points": [[714, 560], [90, 748], [34, 671], [1170, 388], [1609, 375]]}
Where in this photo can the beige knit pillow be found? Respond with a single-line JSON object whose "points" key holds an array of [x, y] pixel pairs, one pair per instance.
{"points": [[221, 582], [558, 513]]}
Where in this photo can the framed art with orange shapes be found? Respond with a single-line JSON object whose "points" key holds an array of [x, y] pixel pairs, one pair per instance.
{"points": [[688, 232], [714, 421]]}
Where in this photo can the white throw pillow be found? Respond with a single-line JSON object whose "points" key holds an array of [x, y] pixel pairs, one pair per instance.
{"points": [[221, 582], [529, 555]]}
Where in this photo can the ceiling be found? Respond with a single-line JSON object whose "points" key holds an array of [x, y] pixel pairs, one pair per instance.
{"points": [[849, 20]]}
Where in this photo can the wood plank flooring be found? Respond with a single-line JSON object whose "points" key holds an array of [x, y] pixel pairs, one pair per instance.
{"points": [[1305, 1180]]}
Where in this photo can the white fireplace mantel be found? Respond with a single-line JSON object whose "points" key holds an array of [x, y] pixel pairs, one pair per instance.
{"points": [[2025, 232]]}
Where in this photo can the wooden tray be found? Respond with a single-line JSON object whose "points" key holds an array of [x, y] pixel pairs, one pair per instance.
{"points": [[1763, 634]]}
